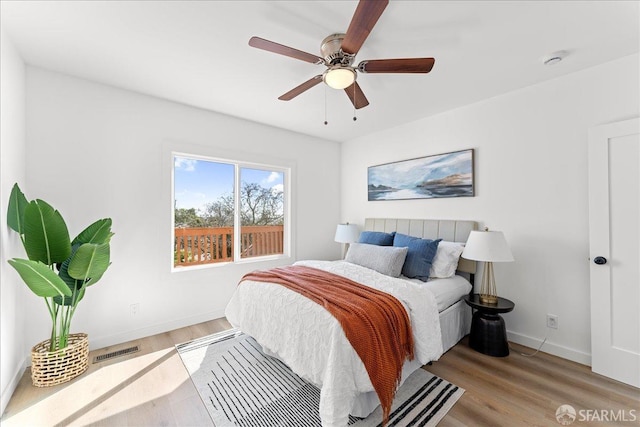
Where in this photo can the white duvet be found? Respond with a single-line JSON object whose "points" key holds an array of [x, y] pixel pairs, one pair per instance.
{"points": [[311, 341]]}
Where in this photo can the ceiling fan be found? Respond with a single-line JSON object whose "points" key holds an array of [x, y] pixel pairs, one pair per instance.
{"points": [[338, 54]]}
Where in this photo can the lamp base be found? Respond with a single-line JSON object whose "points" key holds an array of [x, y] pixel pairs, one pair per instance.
{"points": [[488, 299], [488, 288]]}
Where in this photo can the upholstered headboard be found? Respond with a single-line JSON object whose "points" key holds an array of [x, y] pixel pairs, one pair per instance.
{"points": [[450, 230]]}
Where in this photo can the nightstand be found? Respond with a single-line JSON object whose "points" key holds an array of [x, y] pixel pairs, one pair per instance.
{"points": [[488, 332]]}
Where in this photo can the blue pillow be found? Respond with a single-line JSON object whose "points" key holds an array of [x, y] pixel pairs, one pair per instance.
{"points": [[377, 238], [420, 255]]}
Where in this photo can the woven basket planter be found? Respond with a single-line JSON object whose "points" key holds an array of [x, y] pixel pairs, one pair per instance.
{"points": [[56, 367]]}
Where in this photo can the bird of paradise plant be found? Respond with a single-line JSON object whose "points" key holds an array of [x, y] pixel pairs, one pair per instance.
{"points": [[58, 269]]}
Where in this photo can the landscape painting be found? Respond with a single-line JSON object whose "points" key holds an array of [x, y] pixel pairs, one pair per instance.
{"points": [[442, 175]]}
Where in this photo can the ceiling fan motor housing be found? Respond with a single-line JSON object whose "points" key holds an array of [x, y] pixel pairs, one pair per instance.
{"points": [[331, 49]]}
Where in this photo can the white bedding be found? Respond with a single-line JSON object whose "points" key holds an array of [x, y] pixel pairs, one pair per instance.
{"points": [[447, 291], [311, 341]]}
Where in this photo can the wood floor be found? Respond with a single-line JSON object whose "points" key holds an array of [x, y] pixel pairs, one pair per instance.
{"points": [[526, 391], [152, 388]]}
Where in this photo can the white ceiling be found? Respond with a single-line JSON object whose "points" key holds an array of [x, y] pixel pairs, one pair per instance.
{"points": [[196, 52]]}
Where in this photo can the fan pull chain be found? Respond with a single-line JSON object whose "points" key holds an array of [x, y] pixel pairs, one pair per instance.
{"points": [[354, 102], [325, 106]]}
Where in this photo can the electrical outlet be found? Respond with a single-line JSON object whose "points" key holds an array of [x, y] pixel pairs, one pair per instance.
{"points": [[135, 309], [552, 321]]}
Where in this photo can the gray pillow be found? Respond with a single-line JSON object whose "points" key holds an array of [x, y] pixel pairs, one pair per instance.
{"points": [[383, 259]]}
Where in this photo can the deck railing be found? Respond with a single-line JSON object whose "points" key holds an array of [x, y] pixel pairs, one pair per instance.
{"points": [[208, 245]]}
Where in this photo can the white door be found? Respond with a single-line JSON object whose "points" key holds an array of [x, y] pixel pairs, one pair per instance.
{"points": [[614, 240]]}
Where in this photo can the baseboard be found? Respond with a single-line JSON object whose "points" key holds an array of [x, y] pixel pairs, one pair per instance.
{"points": [[11, 387], [106, 341], [551, 348]]}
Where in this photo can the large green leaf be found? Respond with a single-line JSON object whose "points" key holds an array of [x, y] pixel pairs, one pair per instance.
{"points": [[42, 281], [63, 271], [46, 234], [15, 213], [89, 261], [98, 232], [79, 286]]}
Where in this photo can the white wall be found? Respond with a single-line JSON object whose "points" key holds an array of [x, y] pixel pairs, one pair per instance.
{"points": [[95, 151], [531, 182], [12, 169]]}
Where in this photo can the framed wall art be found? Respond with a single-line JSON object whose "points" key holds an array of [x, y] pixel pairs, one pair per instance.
{"points": [[440, 175]]}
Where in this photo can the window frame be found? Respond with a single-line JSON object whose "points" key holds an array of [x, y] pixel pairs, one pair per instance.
{"points": [[238, 165]]}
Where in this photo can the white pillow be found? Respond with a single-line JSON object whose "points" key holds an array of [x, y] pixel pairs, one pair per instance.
{"points": [[383, 259], [445, 262]]}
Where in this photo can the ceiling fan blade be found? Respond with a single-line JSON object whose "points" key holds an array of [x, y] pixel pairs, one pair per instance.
{"points": [[408, 65], [284, 50], [303, 87], [364, 18], [357, 99]]}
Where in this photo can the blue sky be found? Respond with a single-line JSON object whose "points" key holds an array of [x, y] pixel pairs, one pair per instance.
{"points": [[198, 182]]}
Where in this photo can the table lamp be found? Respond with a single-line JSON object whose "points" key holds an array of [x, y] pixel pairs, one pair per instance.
{"points": [[346, 233], [489, 247]]}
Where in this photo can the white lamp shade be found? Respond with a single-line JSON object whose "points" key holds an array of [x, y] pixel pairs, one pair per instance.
{"points": [[487, 246], [346, 233]]}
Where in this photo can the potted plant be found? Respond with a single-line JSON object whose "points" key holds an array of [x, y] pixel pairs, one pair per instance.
{"points": [[59, 270]]}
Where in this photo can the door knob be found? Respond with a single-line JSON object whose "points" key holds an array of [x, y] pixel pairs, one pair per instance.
{"points": [[600, 260]]}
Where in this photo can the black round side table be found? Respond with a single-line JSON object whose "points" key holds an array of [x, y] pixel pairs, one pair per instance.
{"points": [[488, 332]]}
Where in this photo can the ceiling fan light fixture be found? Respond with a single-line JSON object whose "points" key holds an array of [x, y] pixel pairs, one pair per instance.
{"points": [[339, 77]]}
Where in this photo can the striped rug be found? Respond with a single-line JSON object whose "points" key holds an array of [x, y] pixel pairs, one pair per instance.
{"points": [[241, 386]]}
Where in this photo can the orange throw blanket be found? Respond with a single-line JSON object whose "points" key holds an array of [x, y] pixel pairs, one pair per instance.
{"points": [[375, 323]]}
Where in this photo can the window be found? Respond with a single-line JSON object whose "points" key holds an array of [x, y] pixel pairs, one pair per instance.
{"points": [[225, 211]]}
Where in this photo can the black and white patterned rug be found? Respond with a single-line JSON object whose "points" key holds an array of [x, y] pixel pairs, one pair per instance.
{"points": [[241, 386]]}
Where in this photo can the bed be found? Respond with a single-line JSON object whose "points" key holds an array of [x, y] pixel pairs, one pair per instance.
{"points": [[312, 343]]}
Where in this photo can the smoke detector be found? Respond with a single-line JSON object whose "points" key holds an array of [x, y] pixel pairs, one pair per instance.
{"points": [[554, 57]]}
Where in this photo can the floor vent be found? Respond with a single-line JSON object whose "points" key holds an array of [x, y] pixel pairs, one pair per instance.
{"points": [[113, 354]]}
